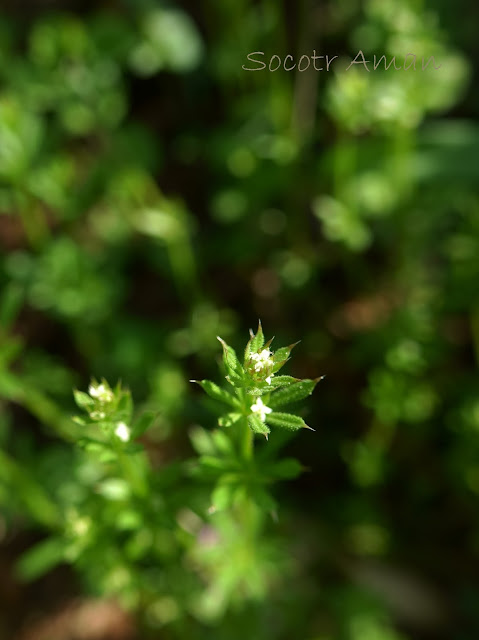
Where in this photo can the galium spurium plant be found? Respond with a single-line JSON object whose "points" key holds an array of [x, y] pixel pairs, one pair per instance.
{"points": [[181, 540], [253, 396], [257, 391], [248, 557]]}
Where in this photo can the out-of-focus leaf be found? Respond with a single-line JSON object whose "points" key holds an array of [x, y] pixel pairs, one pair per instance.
{"points": [[41, 558]]}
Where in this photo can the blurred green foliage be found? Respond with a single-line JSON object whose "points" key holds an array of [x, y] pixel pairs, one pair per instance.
{"points": [[154, 195]]}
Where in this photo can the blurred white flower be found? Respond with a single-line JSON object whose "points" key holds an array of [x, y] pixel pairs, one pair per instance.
{"points": [[100, 392], [122, 431]]}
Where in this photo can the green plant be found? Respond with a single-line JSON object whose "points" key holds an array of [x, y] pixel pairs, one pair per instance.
{"points": [[119, 515], [254, 380], [136, 160]]}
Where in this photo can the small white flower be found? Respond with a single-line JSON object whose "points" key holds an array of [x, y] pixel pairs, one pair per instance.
{"points": [[260, 408], [100, 392], [262, 359], [122, 431]]}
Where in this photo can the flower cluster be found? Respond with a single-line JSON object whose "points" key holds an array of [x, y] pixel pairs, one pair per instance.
{"points": [[101, 392], [102, 396], [108, 408], [258, 390], [261, 363]]}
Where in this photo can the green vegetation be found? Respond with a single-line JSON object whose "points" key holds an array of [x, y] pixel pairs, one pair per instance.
{"points": [[155, 195]]}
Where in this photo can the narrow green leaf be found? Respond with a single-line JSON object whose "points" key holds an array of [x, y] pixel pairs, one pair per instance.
{"points": [[247, 351], [229, 419], [287, 469], [17, 478], [10, 304], [267, 345], [259, 391], [9, 351], [265, 501], [281, 356], [284, 352], [258, 426], [286, 421], [143, 423], [293, 393], [83, 400], [222, 442], [215, 463], [276, 383], [124, 410], [240, 496], [133, 447], [282, 381], [234, 380], [232, 364], [10, 386], [217, 393], [202, 441], [114, 489], [41, 558], [257, 341], [223, 496], [93, 444], [279, 365], [229, 354]]}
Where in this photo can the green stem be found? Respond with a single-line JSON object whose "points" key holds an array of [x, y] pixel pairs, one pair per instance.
{"points": [[133, 471], [247, 437], [248, 442]]}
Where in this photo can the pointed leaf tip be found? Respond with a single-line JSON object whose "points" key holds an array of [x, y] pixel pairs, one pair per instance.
{"points": [[267, 345]]}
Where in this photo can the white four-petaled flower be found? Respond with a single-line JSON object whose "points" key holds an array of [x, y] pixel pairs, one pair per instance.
{"points": [[122, 431], [261, 409]]}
